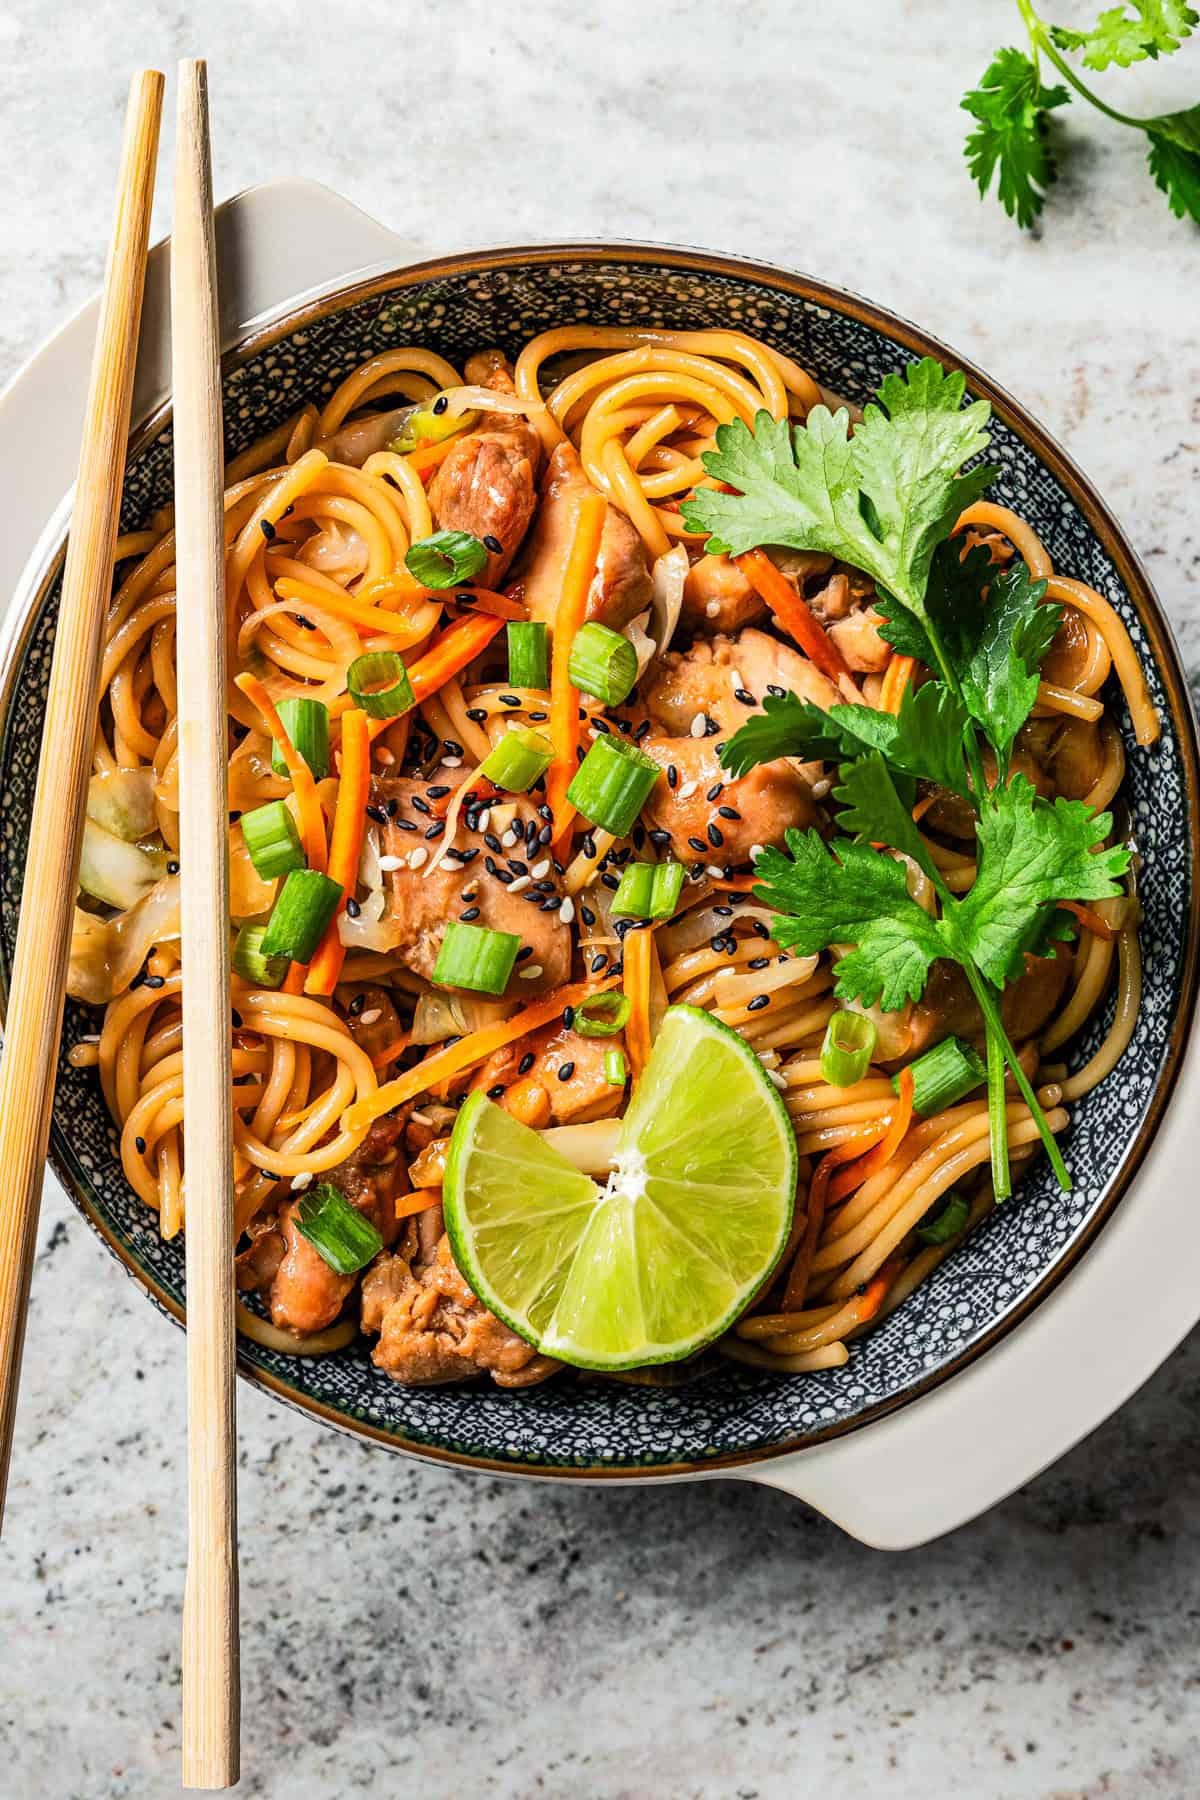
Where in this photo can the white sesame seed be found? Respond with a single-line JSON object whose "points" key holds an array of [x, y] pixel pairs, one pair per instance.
{"points": [[89, 1037], [756, 851], [371, 1018], [452, 762], [532, 972], [484, 819], [735, 677], [417, 857], [716, 871], [538, 869], [821, 788], [520, 884], [384, 757], [301, 1181], [713, 609], [388, 863], [566, 911], [687, 790], [779, 1080], [511, 836], [699, 726]]}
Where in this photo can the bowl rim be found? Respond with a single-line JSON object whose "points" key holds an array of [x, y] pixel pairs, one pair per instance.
{"points": [[339, 294]]}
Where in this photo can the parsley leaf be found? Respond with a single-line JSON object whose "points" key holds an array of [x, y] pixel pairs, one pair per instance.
{"points": [[1176, 170], [860, 896], [1010, 139], [1030, 853], [881, 500], [1000, 682], [1160, 26], [924, 740]]}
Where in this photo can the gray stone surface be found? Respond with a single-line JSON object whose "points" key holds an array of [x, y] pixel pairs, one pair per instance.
{"points": [[406, 1629]]}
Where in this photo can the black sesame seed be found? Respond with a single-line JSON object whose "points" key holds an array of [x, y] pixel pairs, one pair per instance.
{"points": [[477, 714], [437, 793], [758, 1002], [154, 981], [715, 836], [421, 806], [588, 844], [759, 929], [603, 726], [638, 835], [493, 544], [356, 1005], [672, 775], [492, 842], [610, 881], [440, 404], [503, 875], [566, 1071], [510, 700], [711, 727], [659, 838], [353, 908], [391, 807], [545, 834], [525, 952], [467, 856], [496, 1093], [728, 812], [623, 726], [304, 624], [698, 845], [715, 792], [236, 1017], [451, 747], [526, 1063], [778, 692], [267, 529], [545, 812], [568, 1018], [140, 1142], [586, 914], [377, 813], [616, 968], [723, 912], [459, 856], [543, 887], [539, 718], [759, 962], [744, 695], [172, 868], [516, 865], [435, 831], [597, 963], [405, 824], [642, 731]]}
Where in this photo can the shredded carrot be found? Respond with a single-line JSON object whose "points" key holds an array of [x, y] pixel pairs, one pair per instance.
{"points": [[345, 846], [636, 957], [312, 823], [1091, 921], [895, 681], [874, 1294], [472, 1049], [898, 1122], [568, 618], [458, 645], [390, 1052], [349, 607], [476, 783], [293, 981], [922, 807], [428, 457], [818, 1195], [421, 1201], [486, 600], [792, 611], [736, 884]]}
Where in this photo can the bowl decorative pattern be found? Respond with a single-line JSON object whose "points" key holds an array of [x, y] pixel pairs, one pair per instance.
{"points": [[725, 1414]]}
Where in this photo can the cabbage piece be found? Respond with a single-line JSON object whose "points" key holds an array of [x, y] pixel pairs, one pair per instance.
{"points": [[106, 954], [117, 872], [121, 801]]}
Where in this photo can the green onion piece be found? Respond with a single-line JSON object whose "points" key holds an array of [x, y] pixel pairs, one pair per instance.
{"points": [[250, 963], [648, 890], [614, 1068], [341, 1235], [602, 1015], [425, 425], [446, 558], [517, 759], [847, 1050], [947, 1223], [307, 724], [943, 1076], [473, 957], [272, 841], [613, 783], [378, 682], [528, 654], [602, 663], [304, 908]]}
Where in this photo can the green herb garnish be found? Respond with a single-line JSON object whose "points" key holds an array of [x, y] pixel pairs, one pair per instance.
{"points": [[887, 500], [1011, 140]]}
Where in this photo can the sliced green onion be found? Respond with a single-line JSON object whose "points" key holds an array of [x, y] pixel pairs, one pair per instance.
{"points": [[648, 890], [250, 963], [947, 1223], [272, 840], [943, 1076], [341, 1235], [613, 783], [517, 759], [614, 1068], [378, 682], [528, 654], [602, 1015], [304, 908], [473, 957], [426, 425], [446, 558], [847, 1050], [307, 724], [602, 663]]}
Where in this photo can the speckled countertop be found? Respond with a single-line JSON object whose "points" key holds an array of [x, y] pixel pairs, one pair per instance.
{"points": [[406, 1629]]}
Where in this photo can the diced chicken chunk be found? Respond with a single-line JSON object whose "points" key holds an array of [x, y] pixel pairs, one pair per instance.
{"points": [[568, 1067], [488, 483], [718, 597], [621, 587], [948, 1008], [708, 678]]}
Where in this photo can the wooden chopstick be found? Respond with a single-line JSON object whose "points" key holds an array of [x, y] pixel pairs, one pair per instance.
{"points": [[35, 1002], [211, 1697]]}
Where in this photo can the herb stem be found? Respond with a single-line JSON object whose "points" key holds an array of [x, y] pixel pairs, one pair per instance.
{"points": [[950, 677], [997, 1117], [985, 1000], [1040, 40]]}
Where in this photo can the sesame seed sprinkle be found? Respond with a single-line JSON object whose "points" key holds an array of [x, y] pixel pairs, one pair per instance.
{"points": [[371, 1018], [418, 857], [566, 911], [699, 725], [519, 883], [538, 869], [387, 863], [713, 609], [301, 1181], [532, 972]]}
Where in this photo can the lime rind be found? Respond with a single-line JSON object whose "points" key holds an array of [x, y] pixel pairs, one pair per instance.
{"points": [[693, 1220]]}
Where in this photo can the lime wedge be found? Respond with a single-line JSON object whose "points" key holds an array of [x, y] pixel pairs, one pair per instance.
{"points": [[659, 1261]]}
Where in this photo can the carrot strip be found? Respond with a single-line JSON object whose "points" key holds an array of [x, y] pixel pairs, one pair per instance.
{"points": [[568, 618], [427, 458], [487, 600], [390, 1052], [420, 1202], [347, 606], [1091, 921], [878, 1158], [293, 981], [448, 655], [895, 681], [312, 823], [345, 846], [874, 1294], [636, 957], [792, 611], [818, 1198], [472, 1049], [736, 884]]}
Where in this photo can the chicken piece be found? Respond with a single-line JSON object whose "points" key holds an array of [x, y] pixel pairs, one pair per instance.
{"points": [[948, 1008], [621, 587], [1069, 751], [421, 904], [488, 483], [708, 677], [431, 1327], [306, 1295], [573, 1099], [717, 597], [844, 607], [954, 816]]}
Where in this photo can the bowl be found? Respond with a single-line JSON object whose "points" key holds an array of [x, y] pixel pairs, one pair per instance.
{"points": [[724, 1417]]}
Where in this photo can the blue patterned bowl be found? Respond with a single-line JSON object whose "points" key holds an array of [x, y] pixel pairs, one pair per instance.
{"points": [[724, 1416]]}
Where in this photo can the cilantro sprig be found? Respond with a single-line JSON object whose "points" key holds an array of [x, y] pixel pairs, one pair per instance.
{"points": [[886, 499], [1012, 139]]}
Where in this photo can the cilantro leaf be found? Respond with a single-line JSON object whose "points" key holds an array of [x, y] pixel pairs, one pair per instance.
{"points": [[874, 810], [1000, 682], [1010, 139], [1176, 170], [1159, 28], [953, 606], [787, 726], [924, 740], [881, 500], [1030, 853], [859, 897]]}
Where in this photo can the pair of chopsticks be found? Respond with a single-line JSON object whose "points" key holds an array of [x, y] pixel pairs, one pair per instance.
{"points": [[27, 1068]]}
